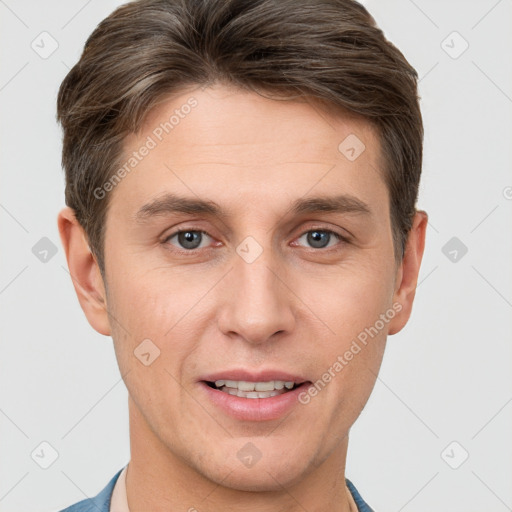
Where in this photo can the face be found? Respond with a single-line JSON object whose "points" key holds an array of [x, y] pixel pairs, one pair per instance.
{"points": [[247, 247]]}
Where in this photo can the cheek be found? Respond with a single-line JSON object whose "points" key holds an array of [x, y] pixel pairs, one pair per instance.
{"points": [[149, 352], [149, 302], [350, 304], [347, 299], [154, 312]]}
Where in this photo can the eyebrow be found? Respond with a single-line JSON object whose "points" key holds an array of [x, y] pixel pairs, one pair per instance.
{"points": [[171, 203]]}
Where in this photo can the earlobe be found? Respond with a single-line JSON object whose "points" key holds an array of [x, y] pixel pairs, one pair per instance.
{"points": [[84, 271], [408, 271]]}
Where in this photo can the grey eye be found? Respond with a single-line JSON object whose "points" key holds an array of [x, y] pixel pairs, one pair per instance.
{"points": [[318, 239], [188, 239]]}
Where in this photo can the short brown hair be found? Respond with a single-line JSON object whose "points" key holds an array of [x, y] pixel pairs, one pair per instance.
{"points": [[330, 50]]}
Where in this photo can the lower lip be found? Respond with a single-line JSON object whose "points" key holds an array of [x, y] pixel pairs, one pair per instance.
{"points": [[254, 409]]}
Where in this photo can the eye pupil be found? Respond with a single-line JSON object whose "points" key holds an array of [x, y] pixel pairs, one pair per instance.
{"points": [[315, 238], [189, 239]]}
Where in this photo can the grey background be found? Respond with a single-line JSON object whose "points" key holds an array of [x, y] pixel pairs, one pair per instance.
{"points": [[446, 377]]}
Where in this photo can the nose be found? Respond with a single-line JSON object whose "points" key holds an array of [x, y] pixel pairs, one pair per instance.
{"points": [[257, 303]]}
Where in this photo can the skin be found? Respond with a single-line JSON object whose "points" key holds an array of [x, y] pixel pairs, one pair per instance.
{"points": [[297, 307]]}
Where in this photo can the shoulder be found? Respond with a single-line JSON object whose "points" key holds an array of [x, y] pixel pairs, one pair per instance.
{"points": [[362, 506], [99, 503]]}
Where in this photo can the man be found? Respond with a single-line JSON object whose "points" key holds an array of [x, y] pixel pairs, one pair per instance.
{"points": [[241, 182]]}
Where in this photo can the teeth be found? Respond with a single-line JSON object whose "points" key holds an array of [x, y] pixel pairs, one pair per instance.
{"points": [[252, 394], [245, 389], [264, 386], [242, 385]]}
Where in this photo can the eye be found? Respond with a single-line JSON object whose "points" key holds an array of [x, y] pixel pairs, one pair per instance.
{"points": [[320, 238], [188, 239]]}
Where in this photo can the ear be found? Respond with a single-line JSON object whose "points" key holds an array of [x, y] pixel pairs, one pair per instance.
{"points": [[407, 273], [84, 270]]}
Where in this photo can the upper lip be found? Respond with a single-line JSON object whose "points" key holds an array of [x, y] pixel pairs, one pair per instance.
{"points": [[259, 376]]}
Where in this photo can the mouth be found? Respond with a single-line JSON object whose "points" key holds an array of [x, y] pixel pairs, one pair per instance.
{"points": [[264, 395], [247, 389]]}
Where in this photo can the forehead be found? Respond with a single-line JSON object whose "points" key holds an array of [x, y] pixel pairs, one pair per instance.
{"points": [[227, 115], [235, 143]]}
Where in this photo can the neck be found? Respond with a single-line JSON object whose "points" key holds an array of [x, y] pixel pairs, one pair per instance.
{"points": [[159, 480]]}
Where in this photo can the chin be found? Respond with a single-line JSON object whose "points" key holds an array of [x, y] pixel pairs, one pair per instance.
{"points": [[265, 475], [259, 480]]}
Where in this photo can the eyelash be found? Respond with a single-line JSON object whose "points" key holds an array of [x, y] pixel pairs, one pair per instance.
{"points": [[191, 252]]}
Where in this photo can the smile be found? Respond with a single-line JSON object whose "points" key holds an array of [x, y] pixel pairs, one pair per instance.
{"points": [[245, 389]]}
